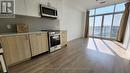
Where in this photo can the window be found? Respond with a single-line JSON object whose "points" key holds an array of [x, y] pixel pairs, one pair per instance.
{"points": [[97, 28], [91, 21], [120, 7], [92, 12], [104, 22], [116, 25], [107, 26], [104, 10]]}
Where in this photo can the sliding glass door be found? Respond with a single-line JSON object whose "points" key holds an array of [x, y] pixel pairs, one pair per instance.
{"points": [[97, 26], [116, 25], [105, 22], [106, 29]]}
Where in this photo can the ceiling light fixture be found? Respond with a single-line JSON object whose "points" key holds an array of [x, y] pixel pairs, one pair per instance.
{"points": [[101, 1]]}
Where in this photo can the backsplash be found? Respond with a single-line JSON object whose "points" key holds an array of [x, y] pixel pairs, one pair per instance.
{"points": [[35, 24]]}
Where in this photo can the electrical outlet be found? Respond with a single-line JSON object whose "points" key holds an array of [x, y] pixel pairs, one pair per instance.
{"points": [[8, 26]]}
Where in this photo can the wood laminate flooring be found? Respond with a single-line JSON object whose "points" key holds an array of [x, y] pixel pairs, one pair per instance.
{"points": [[80, 56]]}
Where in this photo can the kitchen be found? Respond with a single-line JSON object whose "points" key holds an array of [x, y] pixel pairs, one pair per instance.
{"points": [[32, 31]]}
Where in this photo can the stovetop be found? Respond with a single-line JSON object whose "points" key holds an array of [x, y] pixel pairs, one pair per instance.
{"points": [[51, 30]]}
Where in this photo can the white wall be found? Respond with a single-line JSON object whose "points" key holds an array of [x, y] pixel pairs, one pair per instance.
{"points": [[127, 34], [126, 42], [128, 50], [72, 21]]}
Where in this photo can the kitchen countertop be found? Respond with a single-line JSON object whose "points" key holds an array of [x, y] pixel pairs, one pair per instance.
{"points": [[14, 34]]}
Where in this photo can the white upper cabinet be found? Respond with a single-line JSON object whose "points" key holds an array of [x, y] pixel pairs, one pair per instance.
{"points": [[33, 7], [27, 7], [20, 7]]}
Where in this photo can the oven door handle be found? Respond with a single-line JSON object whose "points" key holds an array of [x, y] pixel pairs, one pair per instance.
{"points": [[55, 35]]}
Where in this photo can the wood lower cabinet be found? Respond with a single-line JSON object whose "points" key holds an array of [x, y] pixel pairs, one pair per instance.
{"points": [[16, 48], [63, 38], [39, 43]]}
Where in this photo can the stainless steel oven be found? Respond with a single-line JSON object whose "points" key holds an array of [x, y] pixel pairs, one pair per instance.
{"points": [[54, 41]]}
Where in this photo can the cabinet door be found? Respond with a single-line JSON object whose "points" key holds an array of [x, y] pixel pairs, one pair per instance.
{"points": [[39, 43], [33, 8], [23, 47], [10, 51], [34, 44], [63, 38], [20, 7], [16, 49], [44, 42]]}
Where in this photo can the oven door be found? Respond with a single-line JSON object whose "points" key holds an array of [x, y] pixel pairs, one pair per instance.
{"points": [[54, 40]]}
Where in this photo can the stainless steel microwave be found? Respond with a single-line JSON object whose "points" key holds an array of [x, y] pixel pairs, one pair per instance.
{"points": [[47, 11]]}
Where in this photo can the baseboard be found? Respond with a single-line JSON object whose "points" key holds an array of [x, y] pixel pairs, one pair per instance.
{"points": [[75, 39]]}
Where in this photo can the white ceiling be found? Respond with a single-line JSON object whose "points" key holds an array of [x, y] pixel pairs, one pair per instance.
{"points": [[89, 4]]}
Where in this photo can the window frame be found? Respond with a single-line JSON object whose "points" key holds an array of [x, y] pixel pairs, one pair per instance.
{"points": [[112, 13]]}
